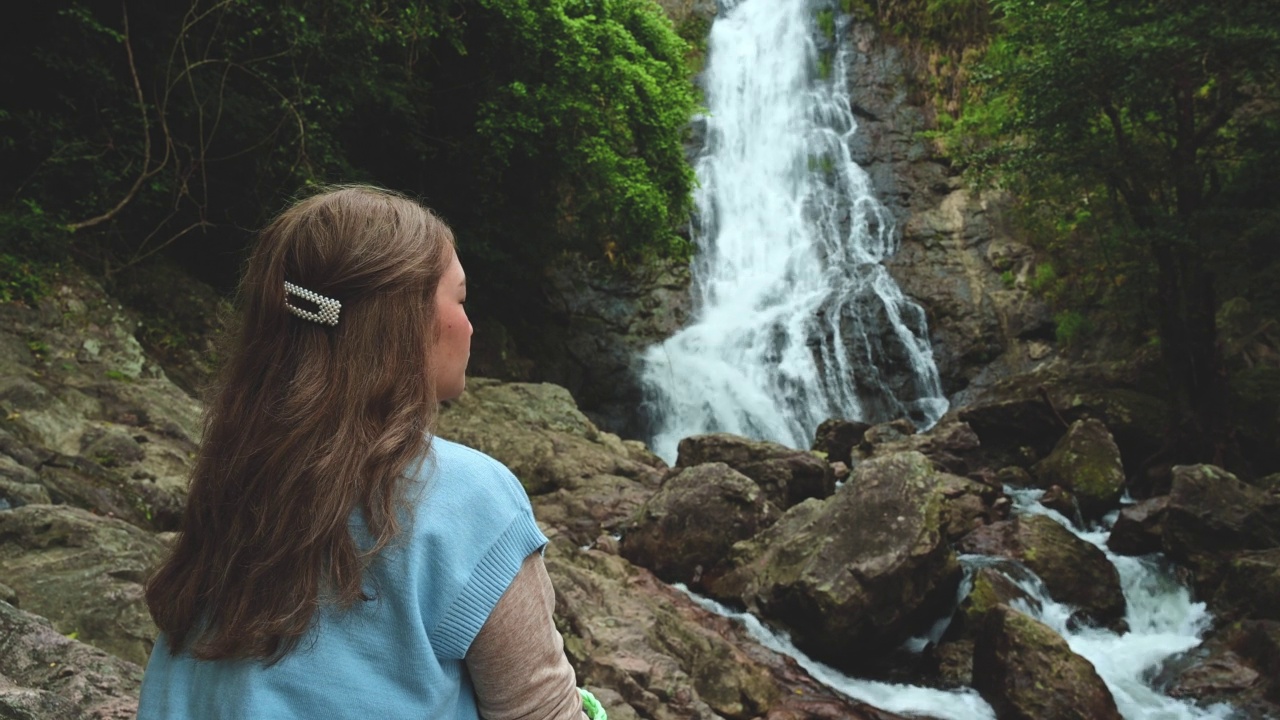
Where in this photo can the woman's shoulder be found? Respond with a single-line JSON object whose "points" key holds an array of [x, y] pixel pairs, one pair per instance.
{"points": [[457, 475]]}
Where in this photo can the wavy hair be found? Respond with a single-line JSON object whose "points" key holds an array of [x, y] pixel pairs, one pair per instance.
{"points": [[308, 424]]}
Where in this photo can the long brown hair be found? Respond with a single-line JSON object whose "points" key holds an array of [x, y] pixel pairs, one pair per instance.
{"points": [[308, 423]]}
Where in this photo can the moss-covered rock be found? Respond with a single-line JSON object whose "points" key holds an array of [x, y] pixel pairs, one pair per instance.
{"points": [[686, 530], [1250, 586], [786, 475], [854, 575], [581, 479], [659, 655], [1073, 570], [1211, 515], [1027, 672], [1087, 462]]}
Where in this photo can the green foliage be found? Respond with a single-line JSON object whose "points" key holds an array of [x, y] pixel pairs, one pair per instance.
{"points": [[1043, 278], [937, 24], [827, 23], [824, 65], [22, 280], [1135, 134], [154, 127], [1070, 326], [595, 98], [1007, 279]]}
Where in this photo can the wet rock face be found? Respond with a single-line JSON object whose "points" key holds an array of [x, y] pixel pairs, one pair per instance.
{"points": [[605, 317], [1238, 664], [862, 569], [83, 572], [1087, 462], [1074, 571], [955, 244], [685, 532], [46, 676], [786, 475], [1027, 672]]}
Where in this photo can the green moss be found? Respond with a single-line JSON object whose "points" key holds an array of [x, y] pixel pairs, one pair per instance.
{"points": [[827, 24]]}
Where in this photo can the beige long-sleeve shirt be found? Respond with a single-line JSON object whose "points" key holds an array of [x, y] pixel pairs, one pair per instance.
{"points": [[517, 661]]}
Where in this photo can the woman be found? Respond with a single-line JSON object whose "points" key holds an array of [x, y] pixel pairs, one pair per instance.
{"points": [[336, 560]]}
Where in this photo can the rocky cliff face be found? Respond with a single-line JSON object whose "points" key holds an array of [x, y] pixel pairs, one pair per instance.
{"points": [[959, 258]]}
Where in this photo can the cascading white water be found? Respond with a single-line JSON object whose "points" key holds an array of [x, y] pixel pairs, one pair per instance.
{"points": [[796, 320], [1163, 621]]}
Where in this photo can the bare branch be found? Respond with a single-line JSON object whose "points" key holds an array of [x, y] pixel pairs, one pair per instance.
{"points": [[146, 137]]}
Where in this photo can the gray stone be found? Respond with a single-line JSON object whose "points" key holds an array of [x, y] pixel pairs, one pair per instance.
{"points": [[685, 531], [46, 676], [82, 572], [862, 569], [786, 475], [1027, 672]]}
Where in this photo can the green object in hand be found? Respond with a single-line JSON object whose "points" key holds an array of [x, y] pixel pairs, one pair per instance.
{"points": [[591, 706]]}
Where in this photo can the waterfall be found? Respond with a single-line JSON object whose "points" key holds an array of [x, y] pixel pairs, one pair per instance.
{"points": [[795, 318]]}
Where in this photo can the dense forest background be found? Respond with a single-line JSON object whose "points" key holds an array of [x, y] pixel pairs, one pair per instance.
{"points": [[1140, 139], [141, 131]]}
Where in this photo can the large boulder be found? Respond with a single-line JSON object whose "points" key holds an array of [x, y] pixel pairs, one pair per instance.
{"points": [[1074, 571], [861, 570], [685, 532], [1211, 515], [786, 475], [1250, 586], [1139, 528], [1087, 462], [1238, 664], [47, 676], [1021, 418], [649, 651], [992, 587], [950, 445], [968, 505], [83, 572], [836, 438], [1027, 672]]}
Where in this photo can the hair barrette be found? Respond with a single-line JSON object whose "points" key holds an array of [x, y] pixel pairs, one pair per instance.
{"points": [[328, 308]]}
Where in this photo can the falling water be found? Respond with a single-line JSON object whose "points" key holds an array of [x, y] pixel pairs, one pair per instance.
{"points": [[796, 320]]}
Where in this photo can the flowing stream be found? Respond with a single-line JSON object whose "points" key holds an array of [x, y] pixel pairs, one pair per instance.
{"points": [[796, 319], [1163, 621]]}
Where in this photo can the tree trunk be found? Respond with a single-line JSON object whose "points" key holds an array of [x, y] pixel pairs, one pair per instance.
{"points": [[1200, 429]]}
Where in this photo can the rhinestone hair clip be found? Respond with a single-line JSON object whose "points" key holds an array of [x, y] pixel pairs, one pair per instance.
{"points": [[328, 307]]}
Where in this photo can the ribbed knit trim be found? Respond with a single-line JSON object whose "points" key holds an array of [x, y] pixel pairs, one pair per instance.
{"points": [[453, 636]]}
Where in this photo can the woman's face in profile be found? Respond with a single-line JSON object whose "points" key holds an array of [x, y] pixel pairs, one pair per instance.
{"points": [[452, 346]]}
